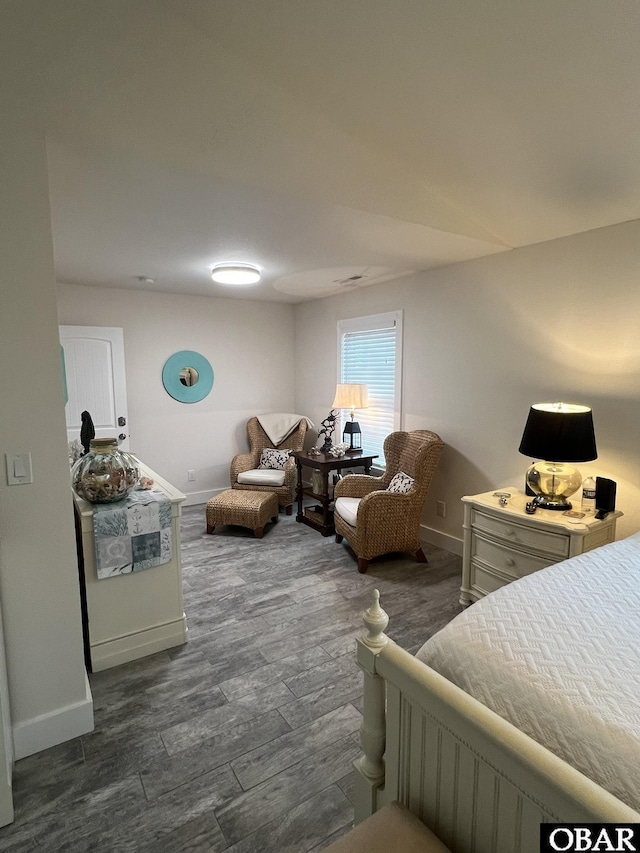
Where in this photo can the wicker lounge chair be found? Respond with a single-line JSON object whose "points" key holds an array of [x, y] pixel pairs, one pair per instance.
{"points": [[382, 522], [246, 462]]}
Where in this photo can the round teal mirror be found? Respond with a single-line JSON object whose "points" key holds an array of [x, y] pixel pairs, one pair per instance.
{"points": [[187, 376]]}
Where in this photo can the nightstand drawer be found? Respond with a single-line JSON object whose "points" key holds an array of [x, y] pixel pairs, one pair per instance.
{"points": [[484, 581], [509, 561], [532, 538]]}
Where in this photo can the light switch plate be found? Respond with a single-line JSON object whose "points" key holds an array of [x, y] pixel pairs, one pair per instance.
{"points": [[19, 469]]}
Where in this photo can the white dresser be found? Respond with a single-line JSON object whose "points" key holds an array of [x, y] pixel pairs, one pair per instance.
{"points": [[503, 543], [131, 615]]}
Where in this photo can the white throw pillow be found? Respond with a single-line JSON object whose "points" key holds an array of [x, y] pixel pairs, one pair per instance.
{"points": [[276, 459], [401, 483]]}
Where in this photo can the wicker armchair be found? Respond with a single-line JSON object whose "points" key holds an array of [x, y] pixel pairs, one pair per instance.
{"points": [[386, 521], [258, 441]]}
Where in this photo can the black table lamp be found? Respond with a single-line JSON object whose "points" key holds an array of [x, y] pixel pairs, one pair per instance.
{"points": [[558, 433]]}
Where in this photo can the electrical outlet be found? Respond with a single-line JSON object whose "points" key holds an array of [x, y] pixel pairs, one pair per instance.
{"points": [[441, 509], [191, 475]]}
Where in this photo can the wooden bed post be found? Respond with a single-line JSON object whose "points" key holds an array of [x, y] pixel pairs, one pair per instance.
{"points": [[370, 767]]}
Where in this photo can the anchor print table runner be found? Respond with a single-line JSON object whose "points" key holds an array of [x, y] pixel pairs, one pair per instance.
{"points": [[133, 534]]}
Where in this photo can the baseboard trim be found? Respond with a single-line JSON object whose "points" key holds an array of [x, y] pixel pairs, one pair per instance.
{"points": [[441, 540], [194, 498], [56, 727], [130, 647]]}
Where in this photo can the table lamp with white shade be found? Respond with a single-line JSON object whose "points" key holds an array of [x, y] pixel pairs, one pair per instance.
{"points": [[351, 396]]}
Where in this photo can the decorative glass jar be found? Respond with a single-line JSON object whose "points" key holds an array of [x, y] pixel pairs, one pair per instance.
{"points": [[105, 474]]}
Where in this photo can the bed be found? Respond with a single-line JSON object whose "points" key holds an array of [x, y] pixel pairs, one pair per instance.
{"points": [[524, 709]]}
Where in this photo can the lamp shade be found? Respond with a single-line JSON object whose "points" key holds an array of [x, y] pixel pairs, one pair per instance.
{"points": [[559, 432], [351, 396]]}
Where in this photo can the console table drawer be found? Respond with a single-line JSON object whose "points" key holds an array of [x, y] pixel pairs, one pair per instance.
{"points": [[507, 560], [532, 538]]}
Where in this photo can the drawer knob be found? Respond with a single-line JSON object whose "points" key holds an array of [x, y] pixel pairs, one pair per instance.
{"points": [[510, 531], [510, 561]]}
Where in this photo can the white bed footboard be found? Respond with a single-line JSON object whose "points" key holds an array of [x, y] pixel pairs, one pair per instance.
{"points": [[479, 783]]}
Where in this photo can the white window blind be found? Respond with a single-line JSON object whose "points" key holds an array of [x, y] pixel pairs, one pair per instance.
{"points": [[370, 353]]}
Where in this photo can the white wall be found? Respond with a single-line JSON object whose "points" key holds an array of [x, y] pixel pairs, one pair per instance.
{"points": [[39, 590], [250, 346], [486, 339]]}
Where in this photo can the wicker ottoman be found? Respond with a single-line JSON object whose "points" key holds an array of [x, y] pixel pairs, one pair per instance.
{"points": [[245, 508]]}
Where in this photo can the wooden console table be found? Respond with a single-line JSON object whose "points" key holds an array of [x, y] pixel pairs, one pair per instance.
{"points": [[325, 462], [128, 616]]}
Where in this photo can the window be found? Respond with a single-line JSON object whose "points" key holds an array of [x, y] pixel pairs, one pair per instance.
{"points": [[370, 351]]}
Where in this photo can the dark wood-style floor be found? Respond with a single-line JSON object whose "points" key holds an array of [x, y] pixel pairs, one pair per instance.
{"points": [[243, 739]]}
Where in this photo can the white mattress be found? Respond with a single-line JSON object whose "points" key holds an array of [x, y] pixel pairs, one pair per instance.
{"points": [[557, 653]]}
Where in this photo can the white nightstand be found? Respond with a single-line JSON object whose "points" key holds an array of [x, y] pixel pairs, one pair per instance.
{"points": [[503, 543]]}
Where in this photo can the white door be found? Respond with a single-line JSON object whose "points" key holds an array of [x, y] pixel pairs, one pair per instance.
{"points": [[95, 377]]}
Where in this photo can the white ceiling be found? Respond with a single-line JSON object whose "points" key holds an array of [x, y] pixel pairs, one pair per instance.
{"points": [[325, 140]]}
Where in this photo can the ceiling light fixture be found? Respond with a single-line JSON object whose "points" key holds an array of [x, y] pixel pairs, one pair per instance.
{"points": [[235, 274]]}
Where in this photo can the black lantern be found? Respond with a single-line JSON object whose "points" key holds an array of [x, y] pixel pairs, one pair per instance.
{"points": [[352, 435]]}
